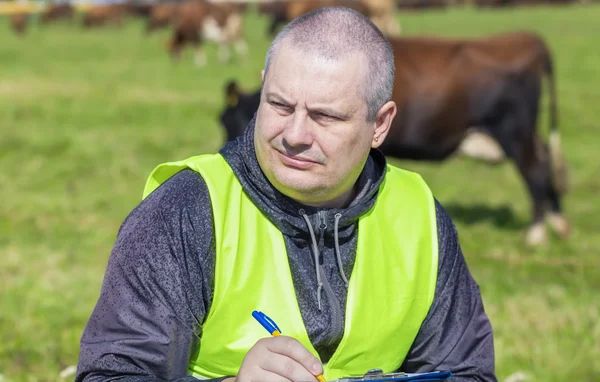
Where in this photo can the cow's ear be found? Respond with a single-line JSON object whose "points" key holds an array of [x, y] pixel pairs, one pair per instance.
{"points": [[232, 100], [232, 93]]}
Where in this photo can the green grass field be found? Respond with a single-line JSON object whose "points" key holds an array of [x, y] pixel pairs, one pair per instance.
{"points": [[86, 115]]}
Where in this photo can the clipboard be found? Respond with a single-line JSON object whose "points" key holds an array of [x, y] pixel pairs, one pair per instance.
{"points": [[377, 375]]}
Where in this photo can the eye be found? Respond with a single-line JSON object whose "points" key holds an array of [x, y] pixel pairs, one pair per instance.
{"points": [[281, 106], [325, 117], [278, 104]]}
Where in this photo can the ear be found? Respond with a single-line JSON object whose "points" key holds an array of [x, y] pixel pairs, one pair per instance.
{"points": [[262, 75], [383, 122]]}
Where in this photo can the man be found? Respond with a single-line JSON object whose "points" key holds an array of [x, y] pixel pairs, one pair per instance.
{"points": [[300, 218]]}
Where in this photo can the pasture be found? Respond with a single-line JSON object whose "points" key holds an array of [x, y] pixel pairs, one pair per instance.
{"points": [[86, 115]]}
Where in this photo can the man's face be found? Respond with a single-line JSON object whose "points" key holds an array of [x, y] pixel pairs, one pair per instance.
{"points": [[312, 138]]}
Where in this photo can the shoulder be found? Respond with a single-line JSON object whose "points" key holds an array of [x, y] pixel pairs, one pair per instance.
{"points": [[186, 188], [183, 193], [407, 180], [173, 222]]}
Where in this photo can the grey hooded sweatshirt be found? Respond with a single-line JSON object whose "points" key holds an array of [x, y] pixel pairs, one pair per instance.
{"points": [[159, 281]]}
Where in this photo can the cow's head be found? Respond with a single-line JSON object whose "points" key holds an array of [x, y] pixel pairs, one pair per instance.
{"points": [[239, 110]]}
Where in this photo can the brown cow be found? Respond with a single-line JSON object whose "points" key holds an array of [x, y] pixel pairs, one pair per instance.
{"points": [[19, 21], [445, 86], [197, 20], [187, 25], [54, 12], [225, 26], [381, 12]]}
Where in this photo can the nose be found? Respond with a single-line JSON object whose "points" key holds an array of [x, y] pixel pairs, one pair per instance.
{"points": [[297, 134]]}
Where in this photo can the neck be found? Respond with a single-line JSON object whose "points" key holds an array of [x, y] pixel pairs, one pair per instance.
{"points": [[341, 201]]}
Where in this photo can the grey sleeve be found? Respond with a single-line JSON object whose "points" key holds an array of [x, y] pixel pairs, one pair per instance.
{"points": [[156, 290], [456, 334]]}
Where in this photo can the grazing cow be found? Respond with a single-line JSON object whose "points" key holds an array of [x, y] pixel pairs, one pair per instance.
{"points": [[443, 87], [381, 12], [54, 12], [197, 20], [225, 26], [19, 21]]}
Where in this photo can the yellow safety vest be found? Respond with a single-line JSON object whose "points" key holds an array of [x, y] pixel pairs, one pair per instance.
{"points": [[390, 290]]}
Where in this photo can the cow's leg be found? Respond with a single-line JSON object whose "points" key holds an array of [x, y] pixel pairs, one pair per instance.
{"points": [[552, 204], [199, 53], [199, 56], [559, 224], [521, 144], [555, 217], [224, 51], [536, 173], [175, 45], [241, 48], [150, 26]]}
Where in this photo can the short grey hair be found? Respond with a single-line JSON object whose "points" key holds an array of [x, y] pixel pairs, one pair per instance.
{"points": [[336, 32]]}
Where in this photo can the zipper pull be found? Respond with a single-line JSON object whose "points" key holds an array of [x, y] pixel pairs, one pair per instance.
{"points": [[322, 218]]}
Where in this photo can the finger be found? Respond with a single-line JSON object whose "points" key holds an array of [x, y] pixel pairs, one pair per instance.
{"points": [[288, 368], [293, 349]]}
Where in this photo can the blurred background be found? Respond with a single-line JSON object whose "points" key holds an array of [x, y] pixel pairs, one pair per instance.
{"points": [[94, 95]]}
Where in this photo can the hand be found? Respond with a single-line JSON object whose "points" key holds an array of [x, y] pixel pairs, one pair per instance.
{"points": [[278, 359]]}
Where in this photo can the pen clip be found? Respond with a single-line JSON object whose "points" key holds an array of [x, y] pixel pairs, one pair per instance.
{"points": [[266, 321], [272, 322]]}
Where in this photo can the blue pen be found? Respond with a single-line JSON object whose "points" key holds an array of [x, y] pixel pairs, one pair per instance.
{"points": [[272, 328], [267, 323]]}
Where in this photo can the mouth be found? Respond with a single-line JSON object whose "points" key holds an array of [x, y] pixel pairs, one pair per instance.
{"points": [[296, 161]]}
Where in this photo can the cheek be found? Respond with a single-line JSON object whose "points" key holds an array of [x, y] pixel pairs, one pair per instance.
{"points": [[344, 147], [268, 125]]}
